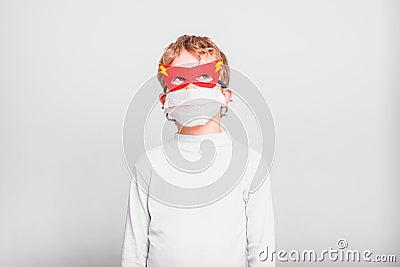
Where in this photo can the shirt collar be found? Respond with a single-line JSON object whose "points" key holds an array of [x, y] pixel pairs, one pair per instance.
{"points": [[219, 139]]}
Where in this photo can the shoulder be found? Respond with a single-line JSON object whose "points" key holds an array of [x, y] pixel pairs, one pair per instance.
{"points": [[143, 161], [143, 167], [258, 167]]}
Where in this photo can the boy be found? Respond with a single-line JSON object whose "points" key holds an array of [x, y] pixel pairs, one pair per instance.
{"points": [[233, 230]]}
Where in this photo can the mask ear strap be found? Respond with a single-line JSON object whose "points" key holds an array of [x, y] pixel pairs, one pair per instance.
{"points": [[222, 84]]}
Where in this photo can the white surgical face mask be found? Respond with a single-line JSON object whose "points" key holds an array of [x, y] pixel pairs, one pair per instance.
{"points": [[193, 107]]}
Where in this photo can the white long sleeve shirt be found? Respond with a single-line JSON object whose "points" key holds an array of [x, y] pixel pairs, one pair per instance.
{"points": [[229, 232]]}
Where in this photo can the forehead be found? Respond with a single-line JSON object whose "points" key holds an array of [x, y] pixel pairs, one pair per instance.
{"points": [[188, 59]]}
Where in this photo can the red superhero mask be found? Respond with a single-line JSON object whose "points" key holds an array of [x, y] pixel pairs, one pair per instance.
{"points": [[205, 75]]}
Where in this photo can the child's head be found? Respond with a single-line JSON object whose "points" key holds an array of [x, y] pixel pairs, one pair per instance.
{"points": [[208, 78], [199, 48]]}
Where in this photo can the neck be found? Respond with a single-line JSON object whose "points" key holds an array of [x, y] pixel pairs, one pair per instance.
{"points": [[212, 126]]}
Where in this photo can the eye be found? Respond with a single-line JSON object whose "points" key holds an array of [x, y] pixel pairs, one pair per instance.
{"points": [[177, 80], [204, 78]]}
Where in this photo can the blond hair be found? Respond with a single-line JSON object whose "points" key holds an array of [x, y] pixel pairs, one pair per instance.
{"points": [[198, 46]]}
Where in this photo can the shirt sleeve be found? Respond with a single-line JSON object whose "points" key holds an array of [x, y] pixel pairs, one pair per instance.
{"points": [[136, 244], [260, 226]]}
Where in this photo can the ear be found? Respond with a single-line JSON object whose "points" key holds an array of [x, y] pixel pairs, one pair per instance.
{"points": [[228, 96], [161, 97]]}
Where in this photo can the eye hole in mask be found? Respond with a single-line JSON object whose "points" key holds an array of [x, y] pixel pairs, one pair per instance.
{"points": [[205, 78], [178, 80]]}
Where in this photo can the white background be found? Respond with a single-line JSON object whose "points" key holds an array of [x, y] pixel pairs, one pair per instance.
{"points": [[70, 68]]}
